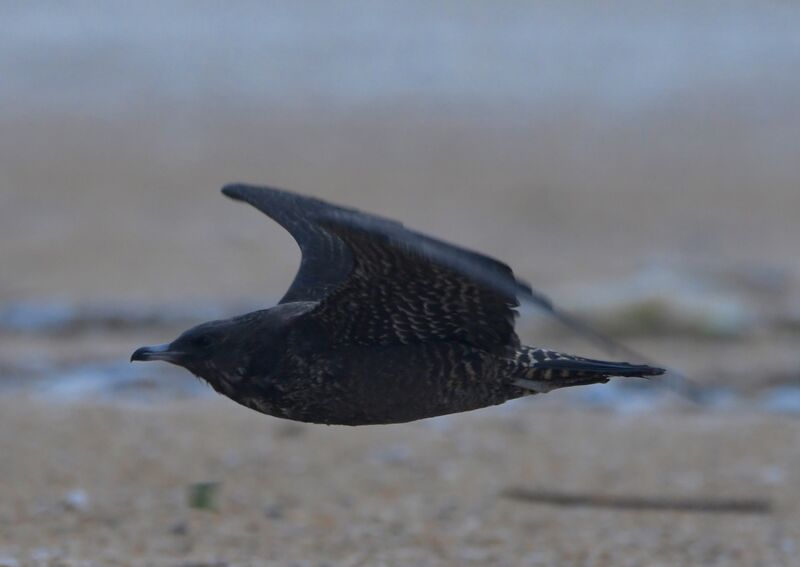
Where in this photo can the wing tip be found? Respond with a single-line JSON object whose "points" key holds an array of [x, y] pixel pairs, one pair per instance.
{"points": [[525, 292], [235, 191]]}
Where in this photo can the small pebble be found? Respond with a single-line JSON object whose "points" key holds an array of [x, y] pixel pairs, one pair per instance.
{"points": [[76, 500]]}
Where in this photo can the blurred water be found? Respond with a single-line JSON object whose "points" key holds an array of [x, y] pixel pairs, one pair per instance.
{"points": [[112, 55], [123, 382], [101, 376], [118, 381]]}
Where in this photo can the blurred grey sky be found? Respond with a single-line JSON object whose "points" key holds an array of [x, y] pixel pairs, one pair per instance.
{"points": [[625, 55]]}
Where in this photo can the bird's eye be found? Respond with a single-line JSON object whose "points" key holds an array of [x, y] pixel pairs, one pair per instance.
{"points": [[201, 342]]}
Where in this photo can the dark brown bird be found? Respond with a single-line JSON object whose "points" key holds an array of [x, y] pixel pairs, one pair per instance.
{"points": [[380, 325]]}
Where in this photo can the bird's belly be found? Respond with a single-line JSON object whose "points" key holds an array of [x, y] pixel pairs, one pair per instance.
{"points": [[360, 386]]}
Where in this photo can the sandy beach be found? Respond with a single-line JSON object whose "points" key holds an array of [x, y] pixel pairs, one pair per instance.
{"points": [[102, 485]]}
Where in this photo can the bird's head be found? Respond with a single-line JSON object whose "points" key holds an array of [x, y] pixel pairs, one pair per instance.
{"points": [[226, 352], [205, 350]]}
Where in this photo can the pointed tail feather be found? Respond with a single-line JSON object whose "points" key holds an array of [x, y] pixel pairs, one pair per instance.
{"points": [[586, 366], [541, 370], [670, 378]]}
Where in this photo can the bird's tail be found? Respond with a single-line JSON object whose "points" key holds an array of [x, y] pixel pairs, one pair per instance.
{"points": [[542, 370]]}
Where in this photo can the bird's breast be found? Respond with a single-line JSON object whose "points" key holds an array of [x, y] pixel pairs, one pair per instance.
{"points": [[364, 385]]}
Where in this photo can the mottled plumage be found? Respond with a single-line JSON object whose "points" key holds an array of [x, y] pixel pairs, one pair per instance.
{"points": [[380, 325]]}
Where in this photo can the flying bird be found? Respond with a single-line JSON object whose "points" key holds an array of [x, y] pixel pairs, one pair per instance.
{"points": [[380, 325]]}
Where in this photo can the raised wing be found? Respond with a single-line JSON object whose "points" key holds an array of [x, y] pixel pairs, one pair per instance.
{"points": [[326, 261]]}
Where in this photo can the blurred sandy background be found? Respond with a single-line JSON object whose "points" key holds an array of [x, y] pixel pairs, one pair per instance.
{"points": [[638, 163]]}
